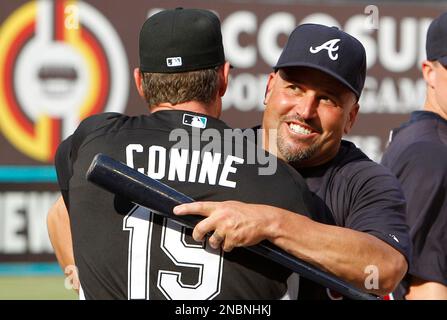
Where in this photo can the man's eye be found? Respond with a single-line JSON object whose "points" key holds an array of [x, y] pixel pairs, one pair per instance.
{"points": [[328, 101], [294, 88]]}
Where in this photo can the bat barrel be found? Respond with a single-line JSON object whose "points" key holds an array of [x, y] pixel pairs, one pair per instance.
{"points": [[126, 182]]}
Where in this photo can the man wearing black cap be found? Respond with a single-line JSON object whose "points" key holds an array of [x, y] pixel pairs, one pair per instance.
{"points": [[417, 155], [311, 102], [126, 252]]}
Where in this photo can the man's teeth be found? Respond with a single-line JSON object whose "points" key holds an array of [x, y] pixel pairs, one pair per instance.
{"points": [[298, 129]]}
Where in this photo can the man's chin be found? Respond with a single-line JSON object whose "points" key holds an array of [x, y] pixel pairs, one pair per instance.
{"points": [[295, 156]]}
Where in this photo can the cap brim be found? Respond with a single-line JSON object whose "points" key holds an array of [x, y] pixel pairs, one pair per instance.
{"points": [[322, 69]]}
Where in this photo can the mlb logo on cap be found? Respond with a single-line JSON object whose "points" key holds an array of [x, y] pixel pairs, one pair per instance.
{"points": [[194, 121], [174, 61]]}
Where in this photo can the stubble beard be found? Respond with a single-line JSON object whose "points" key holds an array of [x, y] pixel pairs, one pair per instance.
{"points": [[295, 155]]}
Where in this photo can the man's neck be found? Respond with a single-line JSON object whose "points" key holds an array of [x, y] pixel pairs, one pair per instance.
{"points": [[191, 106], [432, 105]]}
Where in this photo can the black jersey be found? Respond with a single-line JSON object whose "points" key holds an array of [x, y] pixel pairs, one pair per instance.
{"points": [[126, 252], [358, 194], [417, 155]]}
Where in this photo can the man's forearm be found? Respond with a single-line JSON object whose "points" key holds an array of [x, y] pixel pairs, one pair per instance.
{"points": [[341, 251], [351, 255], [58, 223]]}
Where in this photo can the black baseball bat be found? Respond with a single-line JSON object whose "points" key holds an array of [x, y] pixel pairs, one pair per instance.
{"points": [[126, 182]]}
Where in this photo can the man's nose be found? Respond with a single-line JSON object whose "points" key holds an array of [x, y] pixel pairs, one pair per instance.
{"points": [[307, 106]]}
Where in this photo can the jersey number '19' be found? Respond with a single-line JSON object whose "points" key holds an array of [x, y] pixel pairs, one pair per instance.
{"points": [[207, 261]]}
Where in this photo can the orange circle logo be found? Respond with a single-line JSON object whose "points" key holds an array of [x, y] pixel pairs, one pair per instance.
{"points": [[55, 70]]}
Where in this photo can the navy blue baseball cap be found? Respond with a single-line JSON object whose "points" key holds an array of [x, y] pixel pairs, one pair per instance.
{"points": [[329, 50], [436, 44]]}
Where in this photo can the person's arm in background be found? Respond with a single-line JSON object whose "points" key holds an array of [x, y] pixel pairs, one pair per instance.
{"points": [[344, 252], [426, 290], [58, 223]]}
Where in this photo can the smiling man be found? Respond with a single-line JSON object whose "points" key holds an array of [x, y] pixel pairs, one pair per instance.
{"points": [[311, 101], [309, 134]]}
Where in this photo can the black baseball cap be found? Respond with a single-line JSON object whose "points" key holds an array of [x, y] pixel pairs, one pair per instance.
{"points": [[180, 40], [436, 44], [329, 50]]}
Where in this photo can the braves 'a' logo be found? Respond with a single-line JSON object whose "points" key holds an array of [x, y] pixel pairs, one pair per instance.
{"points": [[329, 46]]}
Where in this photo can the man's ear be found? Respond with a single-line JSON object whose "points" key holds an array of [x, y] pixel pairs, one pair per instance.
{"points": [[224, 73], [429, 73], [138, 77], [351, 118], [268, 89]]}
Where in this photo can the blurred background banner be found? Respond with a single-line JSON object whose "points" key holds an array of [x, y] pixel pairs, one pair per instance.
{"points": [[61, 61]]}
